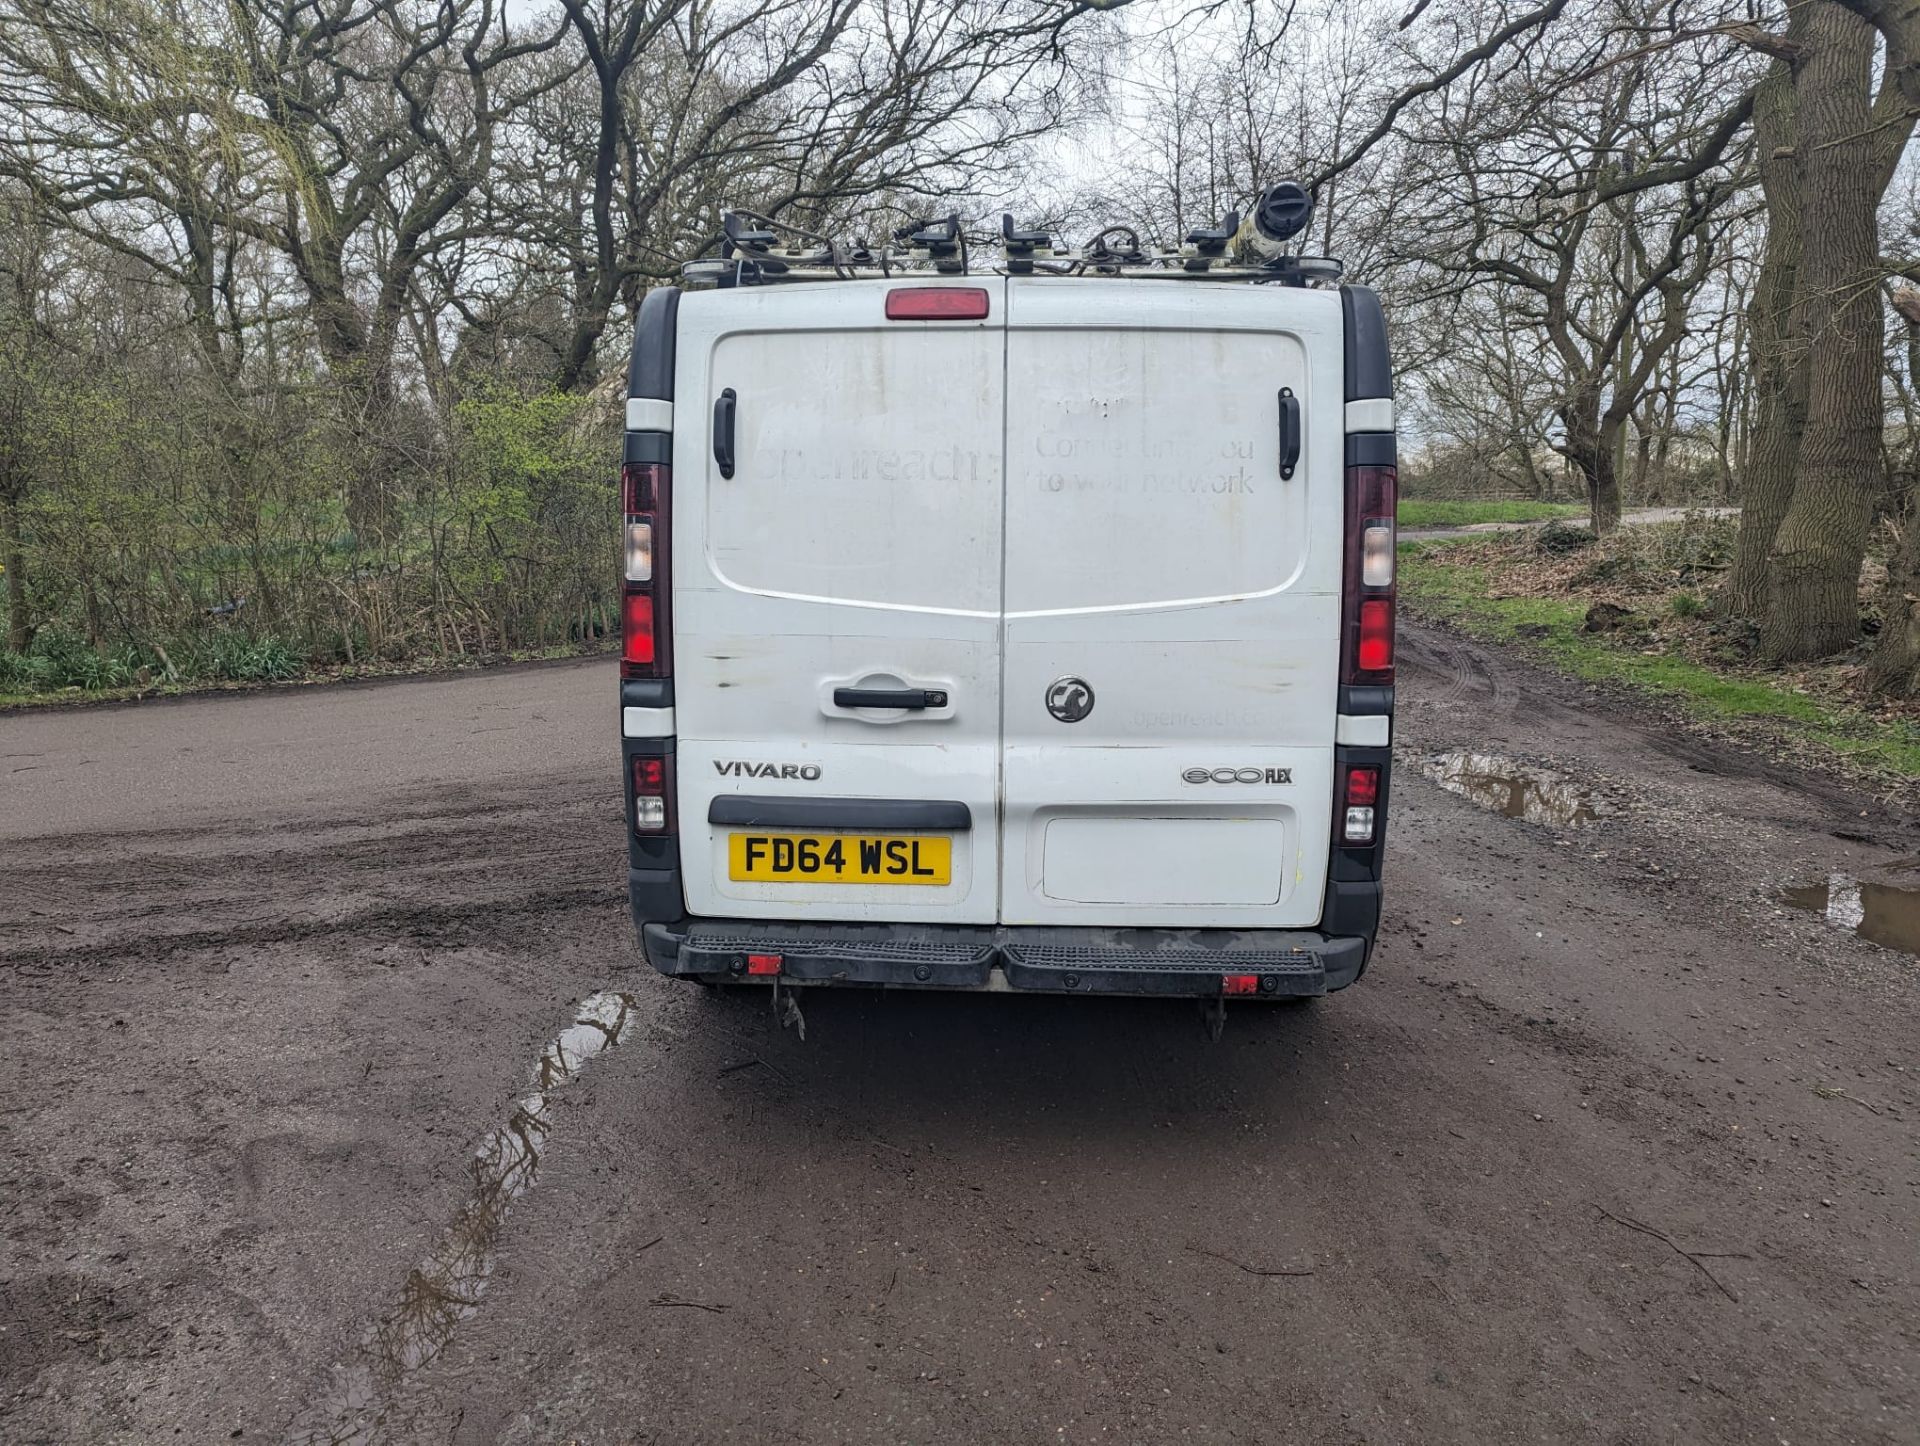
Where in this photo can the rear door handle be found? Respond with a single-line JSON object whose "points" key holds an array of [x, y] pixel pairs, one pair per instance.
{"points": [[914, 698], [1289, 432], [723, 411]]}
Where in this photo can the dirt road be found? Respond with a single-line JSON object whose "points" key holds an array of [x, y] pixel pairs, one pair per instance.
{"points": [[1632, 517], [1607, 1146]]}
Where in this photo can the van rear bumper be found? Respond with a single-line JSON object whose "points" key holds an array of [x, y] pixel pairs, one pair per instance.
{"points": [[1280, 963]]}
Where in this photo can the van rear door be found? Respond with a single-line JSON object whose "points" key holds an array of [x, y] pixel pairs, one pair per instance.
{"points": [[837, 604], [1172, 602]]}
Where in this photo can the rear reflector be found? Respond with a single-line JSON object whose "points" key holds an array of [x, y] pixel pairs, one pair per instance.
{"points": [[1374, 653], [1239, 983], [637, 616], [764, 963], [936, 303]]}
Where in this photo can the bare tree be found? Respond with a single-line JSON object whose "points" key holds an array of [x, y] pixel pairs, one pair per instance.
{"points": [[1598, 201]]}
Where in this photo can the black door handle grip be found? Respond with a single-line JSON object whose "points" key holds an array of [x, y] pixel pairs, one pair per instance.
{"points": [[723, 411], [914, 698], [1289, 432]]}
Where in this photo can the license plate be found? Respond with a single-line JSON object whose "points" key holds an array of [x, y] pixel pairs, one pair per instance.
{"points": [[839, 858]]}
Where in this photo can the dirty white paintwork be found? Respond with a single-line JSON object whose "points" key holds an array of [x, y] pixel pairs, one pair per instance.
{"points": [[1087, 484], [1165, 560], [856, 544]]}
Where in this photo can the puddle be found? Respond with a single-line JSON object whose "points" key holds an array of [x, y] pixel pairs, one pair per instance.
{"points": [[1516, 790], [1877, 912], [447, 1287]]}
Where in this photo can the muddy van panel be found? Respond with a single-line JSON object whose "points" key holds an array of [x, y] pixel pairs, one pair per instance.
{"points": [[837, 599], [1022, 632], [1156, 550]]}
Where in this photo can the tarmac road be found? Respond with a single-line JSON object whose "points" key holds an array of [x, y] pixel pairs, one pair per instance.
{"points": [[1607, 1145]]}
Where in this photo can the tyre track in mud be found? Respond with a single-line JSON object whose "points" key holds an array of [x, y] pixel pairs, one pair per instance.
{"points": [[242, 1101]]}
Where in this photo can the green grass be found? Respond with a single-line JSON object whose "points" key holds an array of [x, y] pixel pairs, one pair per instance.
{"points": [[1415, 513], [1553, 628]]}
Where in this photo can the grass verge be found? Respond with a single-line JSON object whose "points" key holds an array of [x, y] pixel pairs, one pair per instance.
{"points": [[307, 677], [1416, 513], [1494, 592]]}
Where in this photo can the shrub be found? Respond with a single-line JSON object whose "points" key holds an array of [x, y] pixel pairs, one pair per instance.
{"points": [[241, 658]]}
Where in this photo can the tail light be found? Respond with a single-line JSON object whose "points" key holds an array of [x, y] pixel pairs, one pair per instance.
{"points": [[1359, 799], [652, 793], [1366, 648], [647, 639]]}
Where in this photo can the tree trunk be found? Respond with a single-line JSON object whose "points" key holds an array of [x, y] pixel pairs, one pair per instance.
{"points": [[1779, 385], [1895, 665], [1592, 447], [1813, 569]]}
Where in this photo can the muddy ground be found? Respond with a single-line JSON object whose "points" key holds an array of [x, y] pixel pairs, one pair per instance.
{"points": [[1607, 1146]]}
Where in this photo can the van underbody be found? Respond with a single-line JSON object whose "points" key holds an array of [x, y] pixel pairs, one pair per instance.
{"points": [[1013, 634]]}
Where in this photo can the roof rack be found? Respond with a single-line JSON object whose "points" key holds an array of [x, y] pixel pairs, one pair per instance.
{"points": [[758, 250]]}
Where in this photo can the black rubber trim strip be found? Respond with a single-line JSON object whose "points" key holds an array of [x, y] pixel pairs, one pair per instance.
{"points": [[1369, 369], [648, 447], [650, 370], [658, 693], [1353, 907], [753, 811], [654, 896], [1365, 700], [1364, 449]]}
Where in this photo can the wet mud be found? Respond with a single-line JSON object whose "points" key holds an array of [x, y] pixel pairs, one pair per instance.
{"points": [[1881, 913], [294, 1136], [1513, 789], [448, 1287]]}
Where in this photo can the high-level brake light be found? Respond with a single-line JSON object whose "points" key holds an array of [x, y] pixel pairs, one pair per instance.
{"points": [[936, 303], [1368, 601]]}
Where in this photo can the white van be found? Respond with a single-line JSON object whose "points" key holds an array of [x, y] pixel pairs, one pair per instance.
{"points": [[1009, 631]]}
